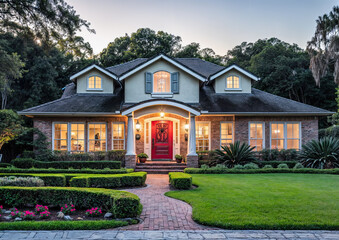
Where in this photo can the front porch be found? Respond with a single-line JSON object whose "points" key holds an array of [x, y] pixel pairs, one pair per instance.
{"points": [[161, 129]]}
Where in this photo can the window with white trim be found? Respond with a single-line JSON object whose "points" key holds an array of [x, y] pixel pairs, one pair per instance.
{"points": [[232, 82], [162, 82], [77, 137], [226, 133], [96, 137], [118, 136], [285, 135], [60, 137], [94, 82], [257, 135], [202, 131]]}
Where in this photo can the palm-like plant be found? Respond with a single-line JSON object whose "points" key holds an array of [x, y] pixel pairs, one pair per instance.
{"points": [[321, 154], [235, 154]]}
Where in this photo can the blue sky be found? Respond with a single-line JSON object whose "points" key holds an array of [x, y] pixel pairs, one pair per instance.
{"points": [[217, 24]]}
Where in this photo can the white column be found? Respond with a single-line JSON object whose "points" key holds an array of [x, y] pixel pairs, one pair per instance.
{"points": [[191, 139], [130, 136]]}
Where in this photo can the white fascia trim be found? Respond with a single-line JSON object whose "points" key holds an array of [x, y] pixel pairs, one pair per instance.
{"points": [[68, 113], [154, 103], [167, 59], [272, 113], [236, 68], [90, 68]]}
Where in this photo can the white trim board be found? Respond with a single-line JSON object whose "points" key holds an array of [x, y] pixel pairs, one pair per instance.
{"points": [[161, 56], [214, 76], [90, 68]]}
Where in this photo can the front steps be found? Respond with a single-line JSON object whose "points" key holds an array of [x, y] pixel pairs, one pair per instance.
{"points": [[160, 167]]}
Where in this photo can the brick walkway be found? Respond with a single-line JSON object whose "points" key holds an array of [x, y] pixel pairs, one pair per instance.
{"points": [[178, 234], [161, 212]]}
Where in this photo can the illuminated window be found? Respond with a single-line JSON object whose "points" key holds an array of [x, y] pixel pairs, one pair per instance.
{"points": [[97, 137], [94, 82], [118, 136], [161, 82], [232, 82], [202, 136], [77, 137], [257, 136], [60, 136], [226, 133], [285, 135]]}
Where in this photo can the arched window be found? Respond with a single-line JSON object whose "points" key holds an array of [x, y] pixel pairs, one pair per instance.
{"points": [[232, 82], [161, 82], [94, 82]]}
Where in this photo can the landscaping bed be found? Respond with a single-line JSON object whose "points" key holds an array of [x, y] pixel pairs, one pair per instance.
{"points": [[215, 170], [264, 201], [52, 170]]}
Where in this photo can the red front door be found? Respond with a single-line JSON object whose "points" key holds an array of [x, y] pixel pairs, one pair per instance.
{"points": [[162, 140]]}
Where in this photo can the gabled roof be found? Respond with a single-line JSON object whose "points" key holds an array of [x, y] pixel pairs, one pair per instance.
{"points": [[236, 67], [94, 66], [173, 61]]}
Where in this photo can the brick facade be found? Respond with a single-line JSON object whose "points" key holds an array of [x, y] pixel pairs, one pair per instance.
{"points": [[309, 127]]}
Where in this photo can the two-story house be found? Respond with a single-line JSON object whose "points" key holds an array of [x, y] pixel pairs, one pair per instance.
{"points": [[165, 106]]}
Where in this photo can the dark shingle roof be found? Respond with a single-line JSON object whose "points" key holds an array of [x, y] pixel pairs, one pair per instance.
{"points": [[198, 65], [255, 102]]}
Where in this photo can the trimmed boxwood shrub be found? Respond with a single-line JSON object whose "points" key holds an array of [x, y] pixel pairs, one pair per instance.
{"points": [[29, 163], [121, 203], [180, 180], [275, 164], [4, 165], [262, 170], [54, 180], [136, 179], [52, 170]]}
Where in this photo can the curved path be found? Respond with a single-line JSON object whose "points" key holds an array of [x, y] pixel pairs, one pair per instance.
{"points": [[161, 212]]}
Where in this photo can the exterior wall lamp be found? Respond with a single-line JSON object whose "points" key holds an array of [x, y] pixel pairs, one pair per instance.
{"points": [[137, 127], [162, 114], [187, 126]]}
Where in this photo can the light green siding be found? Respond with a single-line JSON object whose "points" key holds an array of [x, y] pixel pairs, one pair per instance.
{"points": [[107, 82]]}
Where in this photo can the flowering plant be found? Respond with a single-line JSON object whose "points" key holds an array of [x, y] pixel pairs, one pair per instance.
{"points": [[67, 209], [45, 214], [16, 213], [1, 207], [93, 212], [28, 215], [40, 208]]}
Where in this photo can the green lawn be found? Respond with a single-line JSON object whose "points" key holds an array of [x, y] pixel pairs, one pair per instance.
{"points": [[264, 201]]}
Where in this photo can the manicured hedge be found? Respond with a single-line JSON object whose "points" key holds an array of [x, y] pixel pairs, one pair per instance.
{"points": [[180, 180], [54, 180], [266, 170], [52, 170], [4, 165], [121, 203], [62, 225], [110, 181], [29, 163], [275, 164]]}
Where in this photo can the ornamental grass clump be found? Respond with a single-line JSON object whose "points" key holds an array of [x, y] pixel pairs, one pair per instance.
{"points": [[323, 153], [283, 166], [28, 215], [21, 181], [68, 209], [94, 212], [235, 154]]}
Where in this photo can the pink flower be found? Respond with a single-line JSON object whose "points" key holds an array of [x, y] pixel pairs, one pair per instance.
{"points": [[1, 207]]}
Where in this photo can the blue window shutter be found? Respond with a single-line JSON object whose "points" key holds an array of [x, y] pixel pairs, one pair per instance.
{"points": [[175, 82], [148, 82]]}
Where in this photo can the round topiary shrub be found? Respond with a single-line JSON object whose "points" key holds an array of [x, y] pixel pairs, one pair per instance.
{"points": [[267, 166], [251, 166], [283, 165], [298, 166]]}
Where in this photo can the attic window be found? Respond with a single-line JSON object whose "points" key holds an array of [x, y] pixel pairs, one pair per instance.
{"points": [[161, 82], [232, 82], [94, 82]]}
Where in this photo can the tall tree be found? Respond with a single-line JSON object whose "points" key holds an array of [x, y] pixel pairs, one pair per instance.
{"points": [[11, 70], [10, 126], [324, 46]]}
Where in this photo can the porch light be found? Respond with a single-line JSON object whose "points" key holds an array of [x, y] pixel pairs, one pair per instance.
{"points": [[162, 114], [187, 126], [137, 126]]}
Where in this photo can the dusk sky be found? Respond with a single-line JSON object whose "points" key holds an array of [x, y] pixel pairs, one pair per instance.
{"points": [[216, 24]]}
